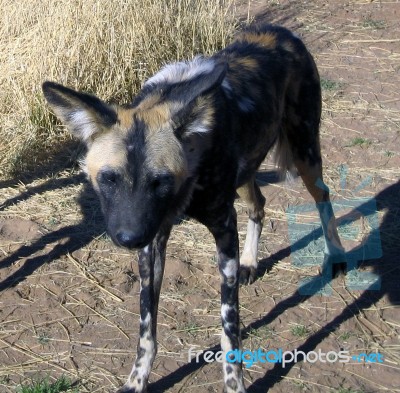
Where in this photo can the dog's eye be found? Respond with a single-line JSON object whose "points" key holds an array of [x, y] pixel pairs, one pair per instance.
{"points": [[162, 182], [179, 130], [108, 177]]}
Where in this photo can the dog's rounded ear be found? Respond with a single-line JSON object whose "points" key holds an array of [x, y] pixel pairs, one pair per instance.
{"points": [[208, 81], [83, 114], [195, 113], [202, 84]]}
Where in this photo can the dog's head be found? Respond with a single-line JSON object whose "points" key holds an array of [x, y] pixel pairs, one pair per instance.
{"points": [[140, 156]]}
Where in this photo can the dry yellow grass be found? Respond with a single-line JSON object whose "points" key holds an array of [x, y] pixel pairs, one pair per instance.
{"points": [[107, 47]]}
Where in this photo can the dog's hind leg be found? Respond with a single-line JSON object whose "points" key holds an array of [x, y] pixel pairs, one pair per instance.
{"points": [[151, 270], [226, 238], [251, 194], [334, 252], [299, 145]]}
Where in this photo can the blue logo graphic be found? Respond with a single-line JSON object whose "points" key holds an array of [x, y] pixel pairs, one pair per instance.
{"points": [[359, 226]]}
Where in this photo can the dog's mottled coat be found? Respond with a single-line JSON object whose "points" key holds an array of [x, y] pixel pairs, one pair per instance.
{"points": [[193, 137]]}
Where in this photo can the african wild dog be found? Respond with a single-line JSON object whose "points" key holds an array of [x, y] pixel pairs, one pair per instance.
{"points": [[196, 134]]}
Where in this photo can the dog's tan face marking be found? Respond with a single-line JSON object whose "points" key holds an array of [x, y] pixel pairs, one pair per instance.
{"points": [[108, 148], [156, 118], [125, 117], [165, 154], [107, 151]]}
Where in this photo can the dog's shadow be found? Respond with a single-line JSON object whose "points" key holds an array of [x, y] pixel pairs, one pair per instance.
{"points": [[77, 235]]}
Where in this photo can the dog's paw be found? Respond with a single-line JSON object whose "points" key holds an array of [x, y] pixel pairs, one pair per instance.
{"points": [[339, 269], [130, 389], [334, 265], [247, 275]]}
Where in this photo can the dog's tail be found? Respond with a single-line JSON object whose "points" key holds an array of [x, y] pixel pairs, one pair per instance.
{"points": [[283, 157]]}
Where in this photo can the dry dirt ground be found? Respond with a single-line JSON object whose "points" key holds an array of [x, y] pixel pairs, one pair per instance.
{"points": [[69, 298]]}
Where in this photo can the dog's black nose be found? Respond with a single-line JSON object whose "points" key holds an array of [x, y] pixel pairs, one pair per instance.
{"points": [[129, 239]]}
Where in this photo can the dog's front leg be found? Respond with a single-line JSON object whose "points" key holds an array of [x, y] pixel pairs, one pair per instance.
{"points": [[151, 270], [226, 238]]}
